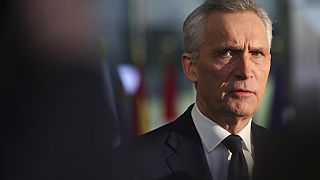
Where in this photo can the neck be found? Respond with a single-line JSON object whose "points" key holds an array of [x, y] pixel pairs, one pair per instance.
{"points": [[232, 123], [234, 126]]}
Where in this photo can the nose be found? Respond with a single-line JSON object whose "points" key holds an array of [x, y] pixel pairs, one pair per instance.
{"points": [[243, 69]]}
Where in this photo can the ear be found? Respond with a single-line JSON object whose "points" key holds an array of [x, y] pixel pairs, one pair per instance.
{"points": [[189, 67]]}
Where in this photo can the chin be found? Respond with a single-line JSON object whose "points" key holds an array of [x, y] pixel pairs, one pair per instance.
{"points": [[241, 110], [243, 114]]}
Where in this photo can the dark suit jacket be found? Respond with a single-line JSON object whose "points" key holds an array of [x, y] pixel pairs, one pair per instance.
{"points": [[175, 151]]}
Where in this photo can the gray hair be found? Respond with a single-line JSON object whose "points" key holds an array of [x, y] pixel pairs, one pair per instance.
{"points": [[194, 24]]}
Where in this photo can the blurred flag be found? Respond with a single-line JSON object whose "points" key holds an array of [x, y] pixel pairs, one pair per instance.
{"points": [[140, 118], [134, 86], [169, 92]]}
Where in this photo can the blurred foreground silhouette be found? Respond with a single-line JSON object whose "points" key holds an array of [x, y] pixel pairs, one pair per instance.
{"points": [[56, 122]]}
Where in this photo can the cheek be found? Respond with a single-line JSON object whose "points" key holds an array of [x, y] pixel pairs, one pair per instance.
{"points": [[212, 78], [262, 83], [204, 73], [265, 75], [209, 80], [265, 69], [210, 75]]}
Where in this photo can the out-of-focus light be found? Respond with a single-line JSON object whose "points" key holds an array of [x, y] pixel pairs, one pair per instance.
{"points": [[130, 78]]}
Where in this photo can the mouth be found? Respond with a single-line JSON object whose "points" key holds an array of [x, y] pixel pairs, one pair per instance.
{"points": [[241, 92]]}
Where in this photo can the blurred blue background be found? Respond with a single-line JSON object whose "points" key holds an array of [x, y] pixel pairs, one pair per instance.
{"points": [[136, 46]]}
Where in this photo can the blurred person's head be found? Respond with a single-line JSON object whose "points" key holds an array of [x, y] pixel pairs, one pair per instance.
{"points": [[67, 28], [227, 56]]}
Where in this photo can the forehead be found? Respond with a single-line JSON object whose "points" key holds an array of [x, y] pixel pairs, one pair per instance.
{"points": [[239, 27]]}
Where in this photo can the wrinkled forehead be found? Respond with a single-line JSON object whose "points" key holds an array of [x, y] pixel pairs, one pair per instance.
{"points": [[234, 26], [225, 20]]}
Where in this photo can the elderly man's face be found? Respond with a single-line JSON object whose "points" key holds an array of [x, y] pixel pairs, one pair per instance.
{"points": [[232, 70]]}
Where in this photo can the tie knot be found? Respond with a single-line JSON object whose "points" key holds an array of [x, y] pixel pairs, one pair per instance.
{"points": [[233, 143]]}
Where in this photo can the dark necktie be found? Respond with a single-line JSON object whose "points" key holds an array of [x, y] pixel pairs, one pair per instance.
{"points": [[238, 169]]}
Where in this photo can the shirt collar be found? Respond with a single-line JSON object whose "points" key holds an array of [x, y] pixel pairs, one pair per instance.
{"points": [[212, 134]]}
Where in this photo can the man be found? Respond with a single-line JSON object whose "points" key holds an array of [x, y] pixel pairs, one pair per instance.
{"points": [[227, 56]]}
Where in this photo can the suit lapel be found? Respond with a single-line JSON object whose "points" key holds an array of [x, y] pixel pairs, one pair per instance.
{"points": [[188, 160], [263, 141]]}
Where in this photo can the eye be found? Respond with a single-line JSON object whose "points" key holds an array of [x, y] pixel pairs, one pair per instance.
{"points": [[257, 53], [225, 54]]}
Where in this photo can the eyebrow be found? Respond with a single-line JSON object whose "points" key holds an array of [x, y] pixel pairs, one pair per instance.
{"points": [[257, 49], [238, 48], [229, 47]]}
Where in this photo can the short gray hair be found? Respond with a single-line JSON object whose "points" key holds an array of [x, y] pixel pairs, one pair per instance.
{"points": [[194, 24]]}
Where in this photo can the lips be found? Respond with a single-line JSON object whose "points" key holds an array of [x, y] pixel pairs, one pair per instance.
{"points": [[242, 90], [241, 93]]}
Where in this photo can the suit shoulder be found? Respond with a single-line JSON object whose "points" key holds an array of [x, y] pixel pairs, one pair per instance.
{"points": [[150, 139], [146, 152], [160, 135]]}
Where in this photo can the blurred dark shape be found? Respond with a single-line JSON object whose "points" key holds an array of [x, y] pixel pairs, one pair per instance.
{"points": [[56, 122], [298, 156]]}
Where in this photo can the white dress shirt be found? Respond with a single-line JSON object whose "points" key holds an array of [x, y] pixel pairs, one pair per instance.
{"points": [[218, 156]]}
